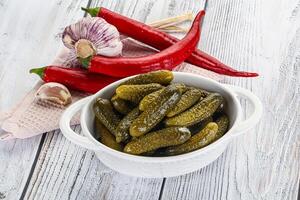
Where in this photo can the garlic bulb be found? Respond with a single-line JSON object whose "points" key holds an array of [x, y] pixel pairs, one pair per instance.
{"points": [[92, 36], [54, 92]]}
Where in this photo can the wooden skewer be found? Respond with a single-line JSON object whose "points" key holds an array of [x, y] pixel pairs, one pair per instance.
{"points": [[174, 29], [171, 21]]}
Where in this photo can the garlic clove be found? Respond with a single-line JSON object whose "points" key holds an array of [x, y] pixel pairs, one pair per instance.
{"points": [[92, 35], [54, 92], [84, 48], [109, 45]]}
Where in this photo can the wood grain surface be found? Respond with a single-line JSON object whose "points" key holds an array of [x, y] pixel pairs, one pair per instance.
{"points": [[29, 37], [264, 163]]}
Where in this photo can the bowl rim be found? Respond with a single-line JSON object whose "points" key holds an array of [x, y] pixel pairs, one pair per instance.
{"points": [[148, 159]]}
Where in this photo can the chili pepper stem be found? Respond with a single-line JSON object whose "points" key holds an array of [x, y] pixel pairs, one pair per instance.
{"points": [[85, 61], [92, 11], [39, 71]]}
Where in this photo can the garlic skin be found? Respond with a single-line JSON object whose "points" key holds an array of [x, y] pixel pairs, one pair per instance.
{"points": [[92, 36], [54, 92]]}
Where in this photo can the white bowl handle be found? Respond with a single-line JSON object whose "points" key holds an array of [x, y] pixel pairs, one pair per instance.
{"points": [[66, 130], [254, 118]]}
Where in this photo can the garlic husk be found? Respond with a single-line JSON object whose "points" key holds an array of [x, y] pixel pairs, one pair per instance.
{"points": [[54, 92], [92, 36]]}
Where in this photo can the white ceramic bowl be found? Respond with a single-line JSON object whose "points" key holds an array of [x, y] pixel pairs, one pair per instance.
{"points": [[163, 166]]}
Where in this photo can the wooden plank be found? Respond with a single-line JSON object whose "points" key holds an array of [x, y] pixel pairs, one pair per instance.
{"points": [[263, 164], [261, 36], [66, 171], [29, 38]]}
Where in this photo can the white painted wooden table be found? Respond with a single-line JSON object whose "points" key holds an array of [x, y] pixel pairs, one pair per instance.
{"points": [[262, 36]]}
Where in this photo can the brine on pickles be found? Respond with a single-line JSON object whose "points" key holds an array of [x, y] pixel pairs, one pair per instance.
{"points": [[122, 106], [188, 99], [149, 115], [135, 93], [105, 114], [105, 137], [122, 130], [163, 138], [148, 99], [197, 141], [155, 112], [154, 96], [198, 112], [223, 123]]}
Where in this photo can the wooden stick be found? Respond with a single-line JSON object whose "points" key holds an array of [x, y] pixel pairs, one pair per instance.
{"points": [[174, 29], [171, 21]]}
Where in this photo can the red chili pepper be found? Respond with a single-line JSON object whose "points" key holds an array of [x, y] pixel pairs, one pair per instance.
{"points": [[166, 59], [161, 40], [74, 78]]}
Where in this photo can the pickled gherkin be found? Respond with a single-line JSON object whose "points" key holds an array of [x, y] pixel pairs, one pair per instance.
{"points": [[105, 137], [155, 112], [149, 115], [182, 87], [122, 131], [220, 109], [188, 99], [199, 126], [223, 123], [158, 139], [121, 105], [197, 141], [163, 77], [147, 100], [104, 112], [198, 112], [135, 93], [204, 93]]}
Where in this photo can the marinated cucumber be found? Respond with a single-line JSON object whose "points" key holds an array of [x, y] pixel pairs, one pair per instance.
{"points": [[163, 77], [158, 139], [199, 126], [135, 93], [104, 112], [204, 93], [122, 131], [198, 112], [182, 87], [147, 100], [149, 115], [155, 112], [188, 99], [152, 97], [223, 123], [197, 141], [220, 109], [105, 137], [122, 106]]}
